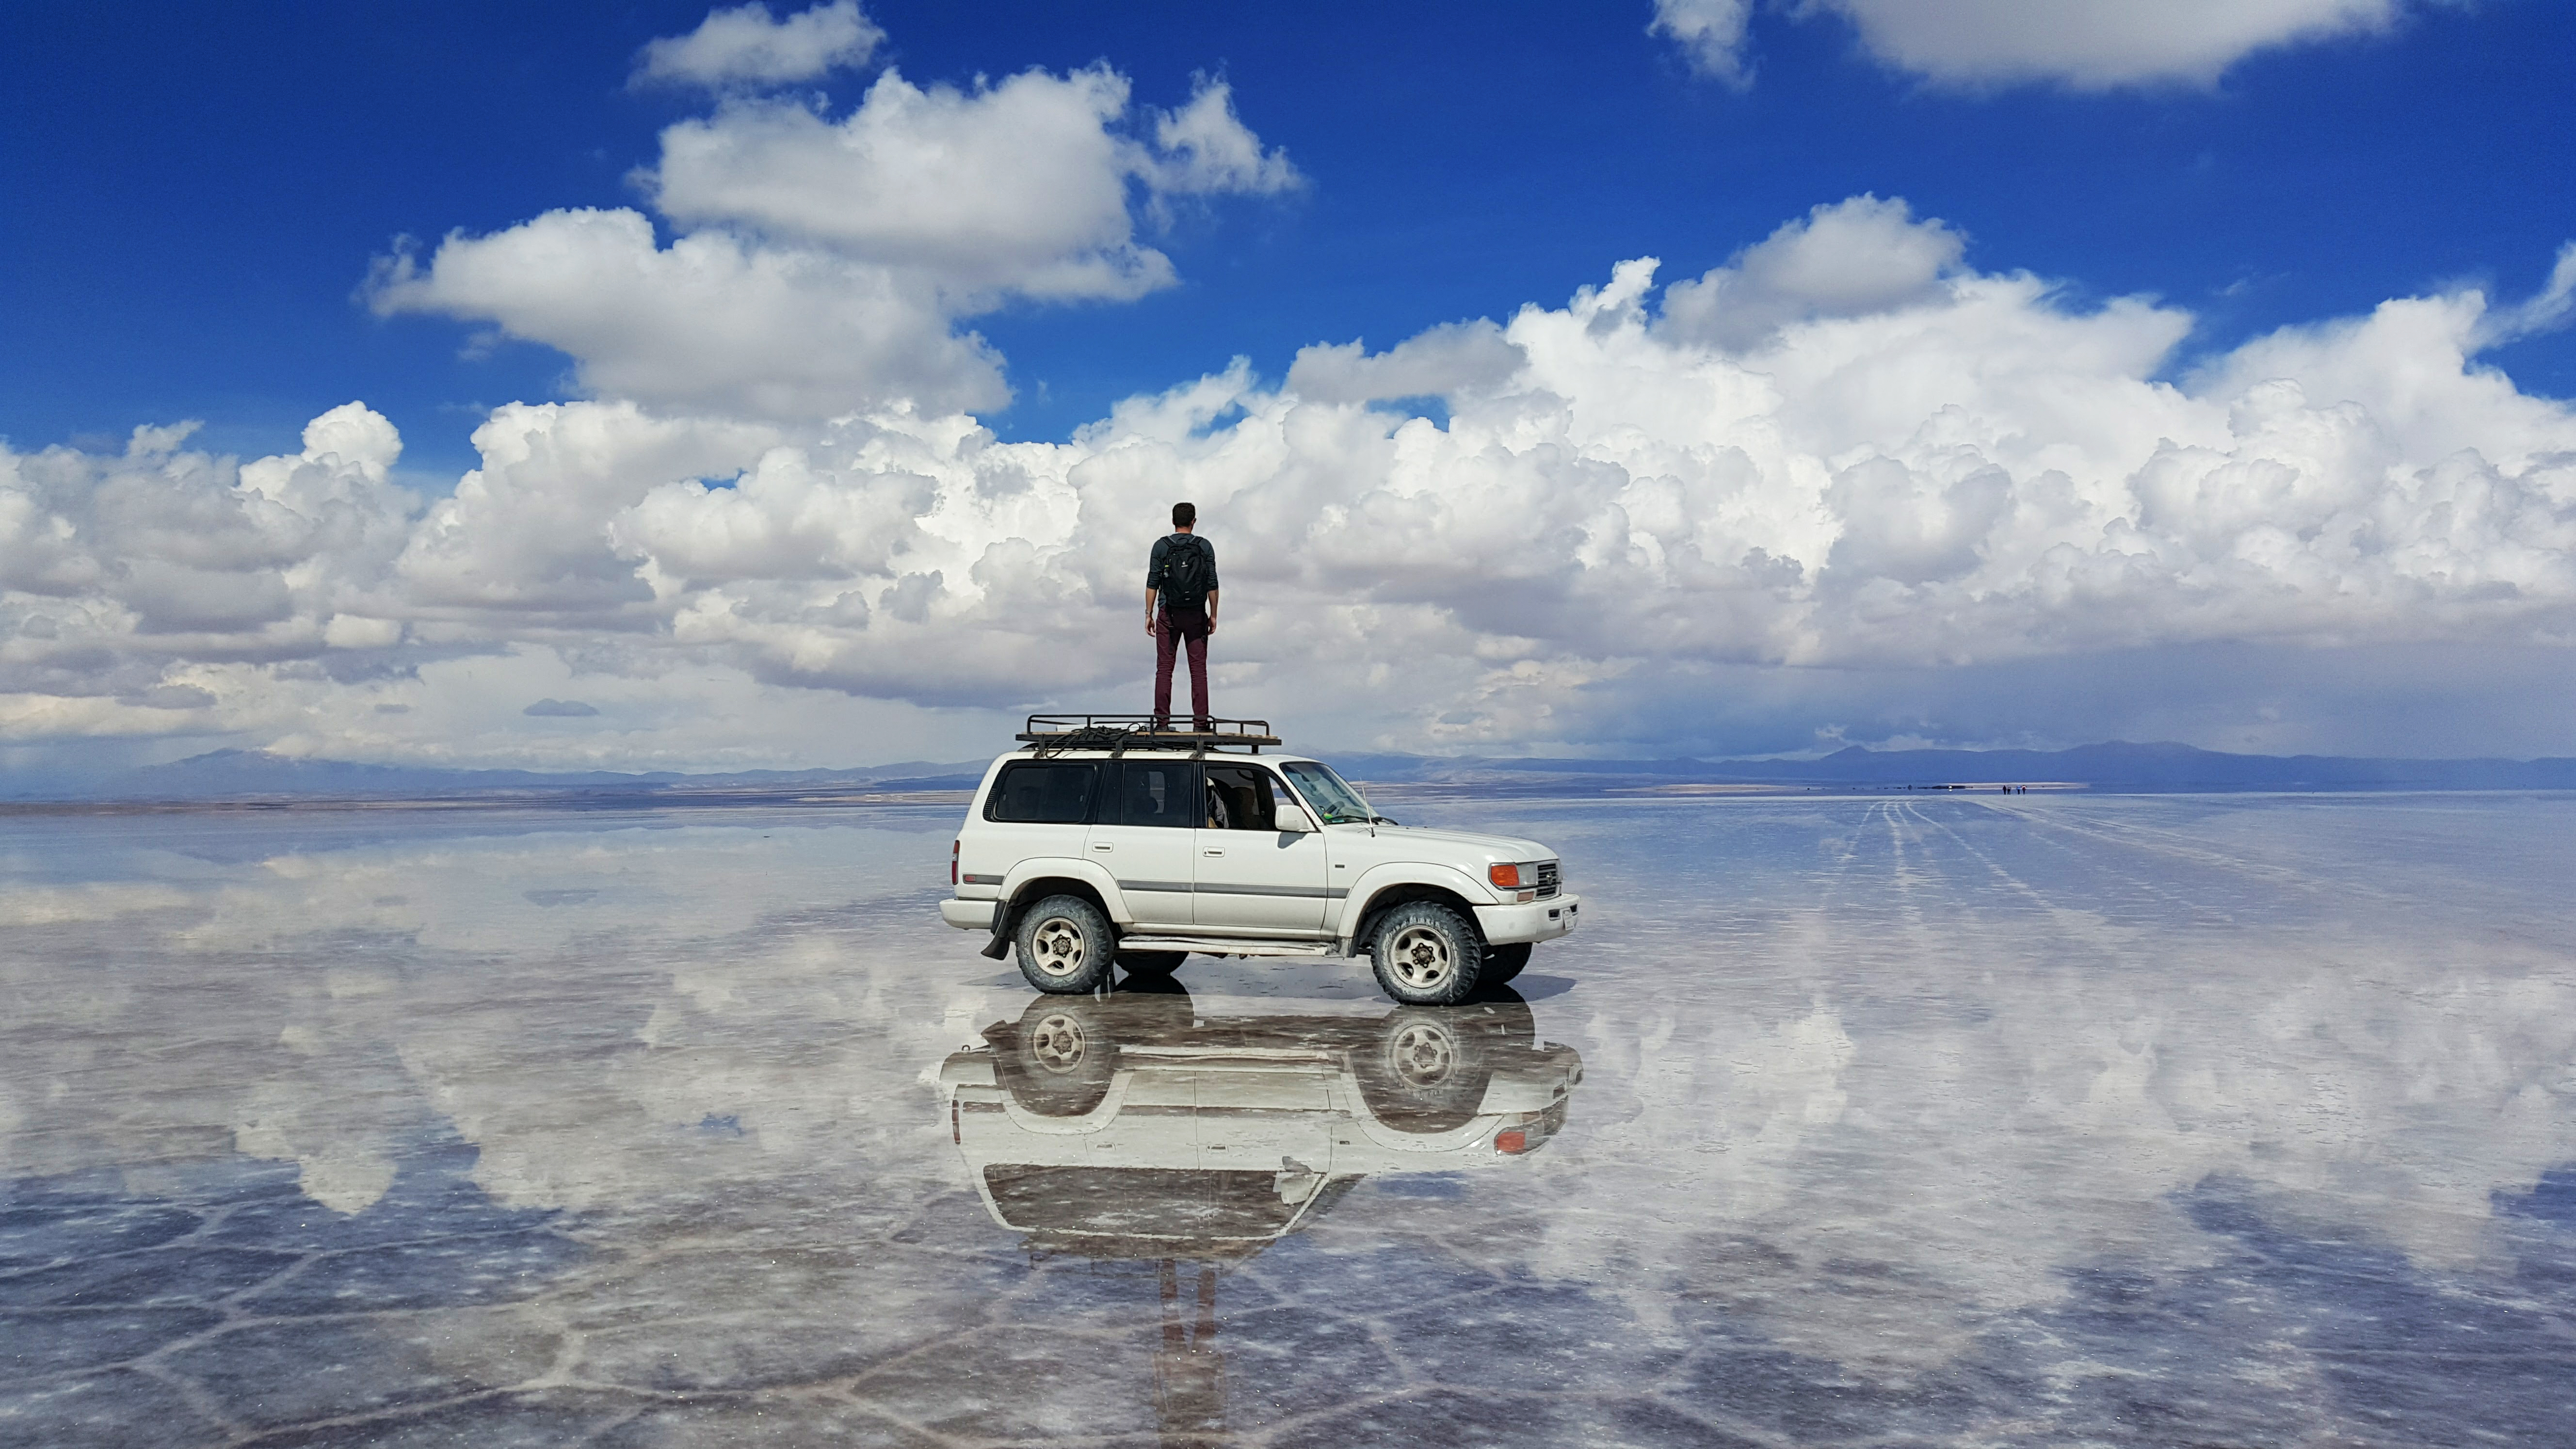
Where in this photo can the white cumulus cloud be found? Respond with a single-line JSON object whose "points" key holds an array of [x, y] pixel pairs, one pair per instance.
{"points": [[1019, 187], [1848, 259], [1457, 357], [712, 322], [1207, 150], [130, 584], [822, 265], [747, 46], [2083, 44], [1848, 482], [1710, 34]]}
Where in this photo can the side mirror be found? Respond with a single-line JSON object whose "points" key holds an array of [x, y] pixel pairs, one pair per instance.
{"points": [[1293, 821]]}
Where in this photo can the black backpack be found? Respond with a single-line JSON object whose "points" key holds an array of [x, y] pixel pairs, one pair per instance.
{"points": [[1185, 574]]}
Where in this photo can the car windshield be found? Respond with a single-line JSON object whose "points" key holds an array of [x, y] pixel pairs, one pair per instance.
{"points": [[1332, 797]]}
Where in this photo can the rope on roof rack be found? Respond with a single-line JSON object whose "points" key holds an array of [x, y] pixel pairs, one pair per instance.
{"points": [[1089, 737]]}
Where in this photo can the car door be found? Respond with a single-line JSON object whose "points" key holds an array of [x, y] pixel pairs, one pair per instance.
{"points": [[1145, 832], [1252, 875]]}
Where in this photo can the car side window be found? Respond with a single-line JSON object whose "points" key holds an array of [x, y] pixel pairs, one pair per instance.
{"points": [[1241, 797], [1158, 792], [1055, 792]]}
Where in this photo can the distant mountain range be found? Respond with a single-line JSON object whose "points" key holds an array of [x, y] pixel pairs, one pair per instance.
{"points": [[258, 775], [2117, 765], [245, 776]]}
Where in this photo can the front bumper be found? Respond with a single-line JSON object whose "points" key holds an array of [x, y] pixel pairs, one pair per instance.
{"points": [[1537, 921], [968, 915]]}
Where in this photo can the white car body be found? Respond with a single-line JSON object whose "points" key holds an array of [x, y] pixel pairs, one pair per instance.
{"points": [[1128, 1126], [1309, 888]]}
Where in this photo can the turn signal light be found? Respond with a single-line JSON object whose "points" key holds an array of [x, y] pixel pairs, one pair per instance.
{"points": [[1506, 876], [1512, 1140]]}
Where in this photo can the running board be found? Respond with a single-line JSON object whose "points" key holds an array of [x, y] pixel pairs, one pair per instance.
{"points": [[1224, 946]]}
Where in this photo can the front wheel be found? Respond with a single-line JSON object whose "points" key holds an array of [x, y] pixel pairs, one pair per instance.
{"points": [[1425, 1072], [1426, 954], [1065, 946], [1502, 963]]}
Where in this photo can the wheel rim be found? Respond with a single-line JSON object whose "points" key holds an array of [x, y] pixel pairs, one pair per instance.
{"points": [[1421, 1055], [1056, 1043], [1420, 958], [1057, 947]]}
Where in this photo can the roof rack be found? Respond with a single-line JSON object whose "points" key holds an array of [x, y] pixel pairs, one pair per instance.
{"points": [[1119, 733]]}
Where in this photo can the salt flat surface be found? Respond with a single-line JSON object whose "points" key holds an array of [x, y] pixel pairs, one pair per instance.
{"points": [[1952, 1120]]}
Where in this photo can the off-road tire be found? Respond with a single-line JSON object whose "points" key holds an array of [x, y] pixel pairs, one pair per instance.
{"points": [[1425, 954], [1502, 963], [1059, 1058], [1065, 946], [1425, 1071], [1151, 963]]}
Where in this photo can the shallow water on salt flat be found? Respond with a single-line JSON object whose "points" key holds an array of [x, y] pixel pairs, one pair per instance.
{"points": [[1949, 1120]]}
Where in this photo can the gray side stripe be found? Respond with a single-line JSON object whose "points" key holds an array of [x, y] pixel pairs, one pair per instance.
{"points": [[1330, 893]]}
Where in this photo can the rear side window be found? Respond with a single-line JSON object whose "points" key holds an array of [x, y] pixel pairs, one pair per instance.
{"points": [[1056, 792], [1159, 792]]}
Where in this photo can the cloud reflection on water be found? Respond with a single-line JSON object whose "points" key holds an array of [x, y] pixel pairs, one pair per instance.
{"points": [[1992, 1114]]}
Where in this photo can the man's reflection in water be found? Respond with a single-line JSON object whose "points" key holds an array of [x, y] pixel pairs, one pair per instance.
{"points": [[1189, 1369], [1130, 1128]]}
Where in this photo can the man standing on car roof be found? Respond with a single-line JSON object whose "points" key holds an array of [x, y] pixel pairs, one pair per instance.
{"points": [[1181, 577]]}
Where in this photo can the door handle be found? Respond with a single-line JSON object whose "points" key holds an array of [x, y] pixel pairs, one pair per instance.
{"points": [[1102, 845], [1212, 852]]}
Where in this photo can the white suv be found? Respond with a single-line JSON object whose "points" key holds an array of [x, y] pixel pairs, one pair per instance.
{"points": [[1132, 1126], [1107, 841]]}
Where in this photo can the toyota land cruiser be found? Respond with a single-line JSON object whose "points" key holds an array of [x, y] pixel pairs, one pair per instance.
{"points": [[1109, 841]]}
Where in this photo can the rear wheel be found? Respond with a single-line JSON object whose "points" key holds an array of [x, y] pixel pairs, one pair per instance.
{"points": [[1060, 1058], [1065, 946], [1425, 954], [1502, 963]]}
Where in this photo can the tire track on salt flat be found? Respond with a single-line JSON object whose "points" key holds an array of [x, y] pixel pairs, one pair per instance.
{"points": [[2132, 837], [2174, 903]]}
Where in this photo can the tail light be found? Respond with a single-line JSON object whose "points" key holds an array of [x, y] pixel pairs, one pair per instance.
{"points": [[1512, 1140], [1508, 877], [956, 1130], [952, 858]]}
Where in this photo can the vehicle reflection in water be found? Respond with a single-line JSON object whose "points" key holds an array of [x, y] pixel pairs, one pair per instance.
{"points": [[1127, 1128]]}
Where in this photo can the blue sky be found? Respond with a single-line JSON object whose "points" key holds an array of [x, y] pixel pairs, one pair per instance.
{"points": [[198, 195]]}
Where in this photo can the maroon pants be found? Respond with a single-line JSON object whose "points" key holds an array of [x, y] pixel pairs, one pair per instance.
{"points": [[1168, 641]]}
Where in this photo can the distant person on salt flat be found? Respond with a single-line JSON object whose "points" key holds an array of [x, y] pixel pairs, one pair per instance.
{"points": [[1180, 610]]}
